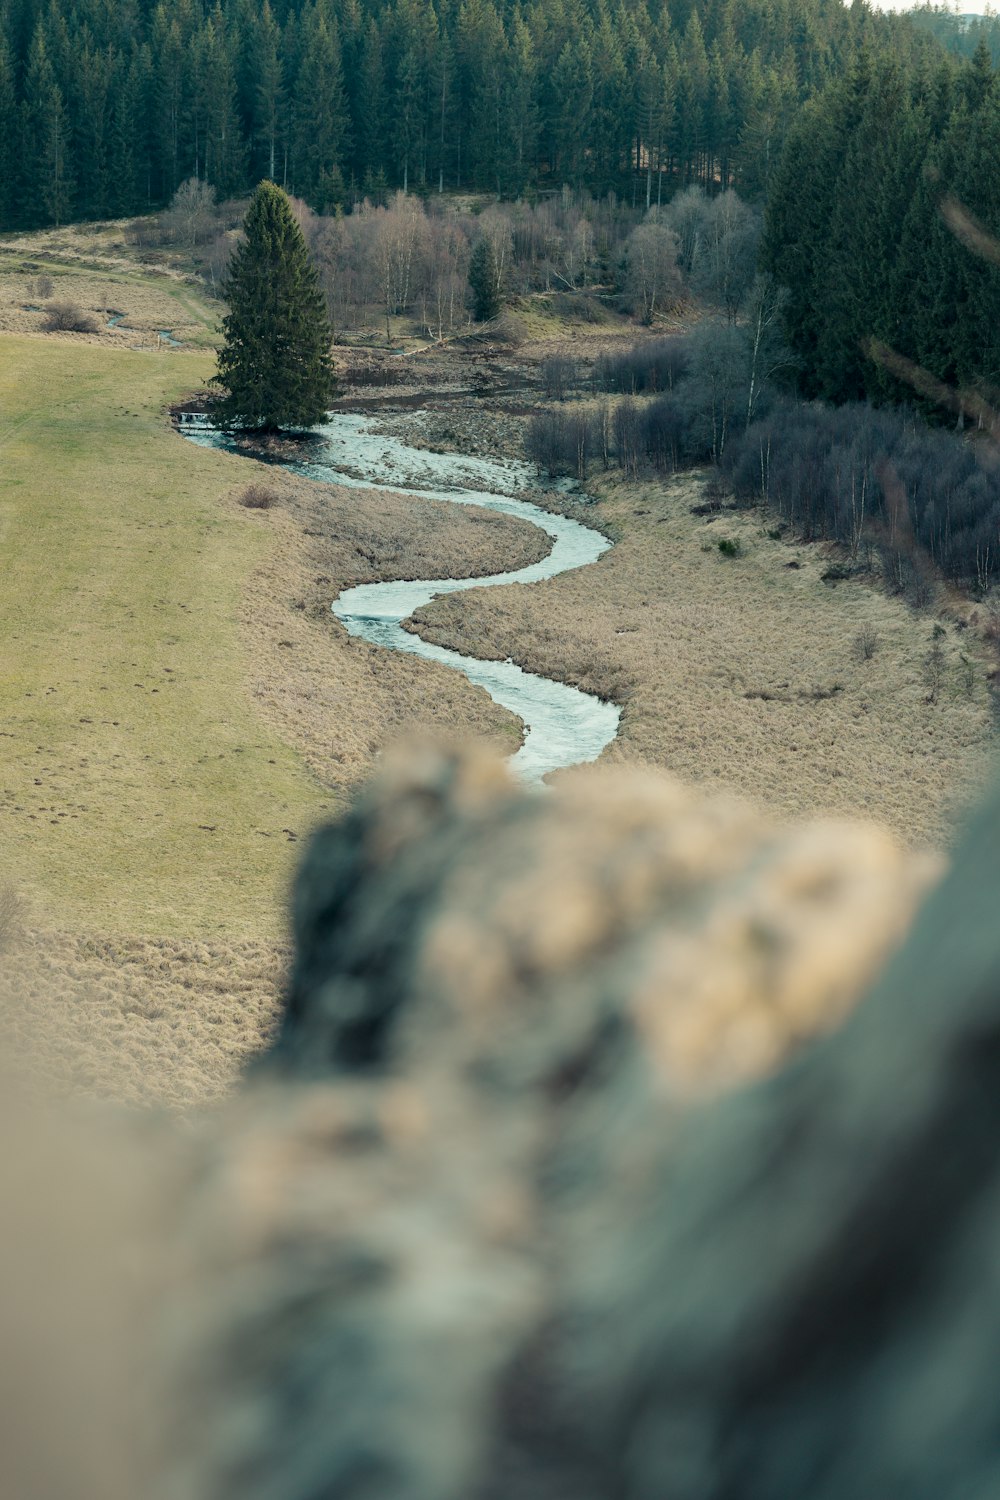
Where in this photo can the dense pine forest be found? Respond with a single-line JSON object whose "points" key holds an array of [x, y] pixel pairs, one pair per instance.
{"points": [[879, 222], [107, 106], [960, 32]]}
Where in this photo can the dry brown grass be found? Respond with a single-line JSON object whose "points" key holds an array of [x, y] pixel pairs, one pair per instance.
{"points": [[342, 701], [11, 915], [148, 1021], [102, 276], [742, 672]]}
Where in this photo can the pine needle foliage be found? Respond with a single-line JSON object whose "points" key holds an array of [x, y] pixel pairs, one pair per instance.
{"points": [[275, 366], [484, 283]]}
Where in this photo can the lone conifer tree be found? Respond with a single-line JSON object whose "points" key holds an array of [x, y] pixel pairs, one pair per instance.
{"points": [[484, 282], [275, 365]]}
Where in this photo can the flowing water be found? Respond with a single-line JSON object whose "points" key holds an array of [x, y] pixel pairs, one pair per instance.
{"points": [[563, 725]]}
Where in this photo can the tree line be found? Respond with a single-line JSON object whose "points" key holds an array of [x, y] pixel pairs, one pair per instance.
{"points": [[879, 223], [960, 32], [107, 106]]}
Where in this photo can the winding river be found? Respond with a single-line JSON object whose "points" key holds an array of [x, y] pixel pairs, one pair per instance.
{"points": [[563, 726]]}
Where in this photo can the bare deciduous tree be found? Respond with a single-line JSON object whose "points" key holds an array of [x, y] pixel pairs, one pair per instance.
{"points": [[190, 219], [400, 230], [769, 353], [652, 276], [724, 258]]}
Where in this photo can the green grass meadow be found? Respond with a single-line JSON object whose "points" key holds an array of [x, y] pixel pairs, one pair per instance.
{"points": [[138, 791]]}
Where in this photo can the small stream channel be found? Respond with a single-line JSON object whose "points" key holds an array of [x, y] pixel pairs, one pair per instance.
{"points": [[563, 726]]}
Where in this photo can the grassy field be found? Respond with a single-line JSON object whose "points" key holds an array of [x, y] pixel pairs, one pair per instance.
{"points": [[178, 708], [138, 789], [744, 671]]}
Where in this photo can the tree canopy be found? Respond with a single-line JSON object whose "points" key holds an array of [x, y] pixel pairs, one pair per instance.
{"points": [[107, 106], [881, 222], [275, 364]]}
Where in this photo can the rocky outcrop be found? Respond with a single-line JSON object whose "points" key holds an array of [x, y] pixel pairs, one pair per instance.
{"points": [[457, 1169], [579, 1172]]}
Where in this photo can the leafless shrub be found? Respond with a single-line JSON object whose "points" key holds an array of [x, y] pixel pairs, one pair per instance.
{"points": [[877, 480], [625, 433], [143, 231], [44, 287], [558, 374], [866, 642], [627, 428], [725, 256], [934, 664], [215, 261], [652, 278], [258, 497], [562, 442], [68, 317], [653, 365], [665, 433], [191, 217]]}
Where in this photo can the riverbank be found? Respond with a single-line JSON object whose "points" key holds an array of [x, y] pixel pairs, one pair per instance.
{"points": [[745, 670], [561, 725], [179, 709], [338, 700]]}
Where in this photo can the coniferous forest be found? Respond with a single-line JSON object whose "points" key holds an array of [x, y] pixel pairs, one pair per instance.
{"points": [[864, 144], [879, 223], [107, 106]]}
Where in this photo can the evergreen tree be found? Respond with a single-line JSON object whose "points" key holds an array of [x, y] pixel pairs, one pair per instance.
{"points": [[106, 106], [268, 91], [484, 282], [522, 105], [320, 137], [8, 129], [275, 364], [46, 166], [370, 104], [125, 140], [169, 88]]}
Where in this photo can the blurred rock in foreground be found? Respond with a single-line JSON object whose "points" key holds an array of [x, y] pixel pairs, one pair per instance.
{"points": [[549, 1189]]}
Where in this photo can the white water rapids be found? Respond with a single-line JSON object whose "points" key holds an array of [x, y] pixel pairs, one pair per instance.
{"points": [[563, 726]]}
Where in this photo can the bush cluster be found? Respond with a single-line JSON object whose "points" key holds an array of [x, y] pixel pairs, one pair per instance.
{"points": [[663, 434], [656, 365], [68, 317], [880, 482], [877, 482]]}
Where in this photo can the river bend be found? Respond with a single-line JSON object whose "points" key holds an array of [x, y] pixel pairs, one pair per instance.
{"points": [[563, 725]]}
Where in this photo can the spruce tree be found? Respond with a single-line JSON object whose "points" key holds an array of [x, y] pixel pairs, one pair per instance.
{"points": [[484, 282], [275, 364]]}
